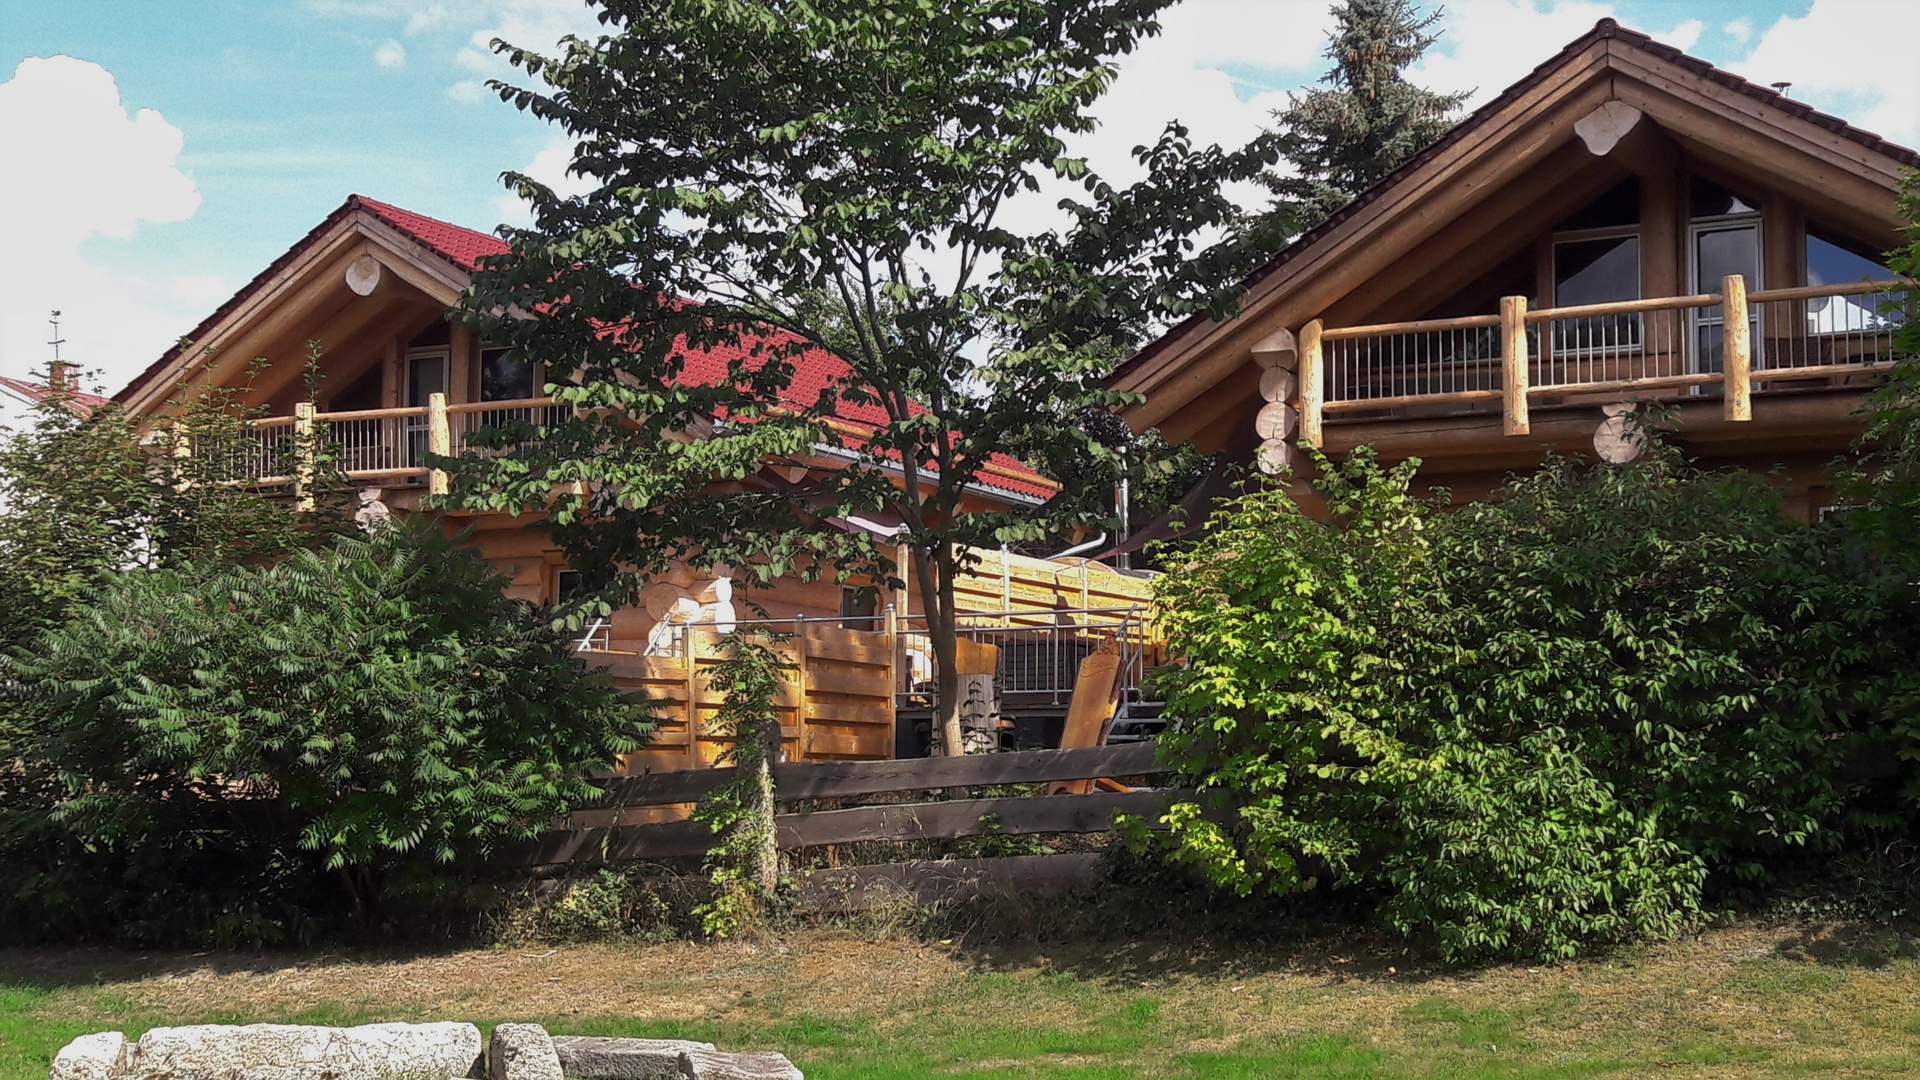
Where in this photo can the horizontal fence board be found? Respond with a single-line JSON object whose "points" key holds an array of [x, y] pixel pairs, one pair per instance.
{"points": [[905, 821], [879, 656], [834, 712], [833, 779], [862, 682], [1016, 816], [927, 881], [844, 744]]}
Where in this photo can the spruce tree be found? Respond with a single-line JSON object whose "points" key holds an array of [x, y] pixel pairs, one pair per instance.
{"points": [[1367, 120]]}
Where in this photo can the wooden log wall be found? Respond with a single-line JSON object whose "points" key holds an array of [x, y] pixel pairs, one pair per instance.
{"points": [[838, 704]]}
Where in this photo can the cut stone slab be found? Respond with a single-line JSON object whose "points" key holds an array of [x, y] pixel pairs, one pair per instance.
{"points": [[89, 1057], [436, 1051], [522, 1052], [759, 1065], [591, 1057]]}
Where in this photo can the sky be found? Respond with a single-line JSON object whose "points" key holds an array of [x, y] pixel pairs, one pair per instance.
{"points": [[154, 157]]}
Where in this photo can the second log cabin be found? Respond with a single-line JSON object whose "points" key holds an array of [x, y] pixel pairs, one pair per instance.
{"points": [[1626, 224]]}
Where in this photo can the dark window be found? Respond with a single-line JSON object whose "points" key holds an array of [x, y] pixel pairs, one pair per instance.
{"points": [[1596, 271], [1841, 262], [436, 333], [504, 376], [1619, 206], [567, 585], [1711, 200], [362, 393], [858, 609]]}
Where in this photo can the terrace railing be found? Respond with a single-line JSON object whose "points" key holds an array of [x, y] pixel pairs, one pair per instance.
{"points": [[387, 445], [1732, 341]]}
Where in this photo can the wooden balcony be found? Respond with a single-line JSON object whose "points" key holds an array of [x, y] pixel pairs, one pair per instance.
{"points": [[1732, 344], [384, 446]]}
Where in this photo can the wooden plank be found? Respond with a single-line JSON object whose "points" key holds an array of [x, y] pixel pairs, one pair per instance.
{"points": [[1017, 816], [873, 745], [868, 682], [848, 652], [835, 712], [905, 821], [635, 666], [926, 881], [832, 779]]}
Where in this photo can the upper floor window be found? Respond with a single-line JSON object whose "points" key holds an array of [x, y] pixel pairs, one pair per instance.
{"points": [[1709, 199], [1596, 270], [1834, 261], [504, 376]]}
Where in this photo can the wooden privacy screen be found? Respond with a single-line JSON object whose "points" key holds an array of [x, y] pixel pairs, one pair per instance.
{"points": [[837, 705]]}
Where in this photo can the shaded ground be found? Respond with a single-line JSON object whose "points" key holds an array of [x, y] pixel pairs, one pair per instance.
{"points": [[1749, 1001]]}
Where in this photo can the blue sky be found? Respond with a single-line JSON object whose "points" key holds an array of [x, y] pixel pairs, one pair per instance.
{"points": [[266, 114]]}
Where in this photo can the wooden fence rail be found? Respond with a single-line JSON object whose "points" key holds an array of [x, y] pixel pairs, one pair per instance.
{"points": [[1019, 815]]}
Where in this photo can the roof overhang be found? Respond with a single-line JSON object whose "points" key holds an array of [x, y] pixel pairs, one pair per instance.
{"points": [[290, 294]]}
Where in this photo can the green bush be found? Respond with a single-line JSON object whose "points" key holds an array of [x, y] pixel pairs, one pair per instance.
{"points": [[271, 748], [1540, 722]]}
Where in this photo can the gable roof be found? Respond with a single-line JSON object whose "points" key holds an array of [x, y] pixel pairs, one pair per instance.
{"points": [[1605, 30], [463, 248]]}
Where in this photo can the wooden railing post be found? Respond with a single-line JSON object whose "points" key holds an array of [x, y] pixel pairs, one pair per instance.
{"points": [[1736, 354], [1313, 391], [303, 446], [439, 441], [1513, 365]]}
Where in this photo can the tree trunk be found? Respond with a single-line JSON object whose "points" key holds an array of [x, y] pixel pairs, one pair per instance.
{"points": [[936, 592], [766, 855]]}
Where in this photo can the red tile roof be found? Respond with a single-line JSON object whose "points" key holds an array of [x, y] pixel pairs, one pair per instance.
{"points": [[462, 246], [815, 369], [35, 392]]}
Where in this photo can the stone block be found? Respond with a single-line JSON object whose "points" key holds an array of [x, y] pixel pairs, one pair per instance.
{"points": [[589, 1057], [522, 1052], [436, 1051], [759, 1065], [89, 1057]]}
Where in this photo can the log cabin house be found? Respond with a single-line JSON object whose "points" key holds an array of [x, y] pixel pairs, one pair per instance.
{"points": [[372, 285], [1625, 224]]}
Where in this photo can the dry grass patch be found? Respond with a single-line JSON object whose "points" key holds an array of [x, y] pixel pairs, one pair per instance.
{"points": [[1749, 1001]]}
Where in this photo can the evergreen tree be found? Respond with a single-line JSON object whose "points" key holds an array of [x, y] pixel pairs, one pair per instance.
{"points": [[1343, 138]]}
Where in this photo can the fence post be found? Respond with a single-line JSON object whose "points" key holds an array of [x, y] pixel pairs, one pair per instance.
{"points": [[1513, 365], [303, 446], [1313, 390], [439, 441], [1736, 354], [800, 697], [693, 694]]}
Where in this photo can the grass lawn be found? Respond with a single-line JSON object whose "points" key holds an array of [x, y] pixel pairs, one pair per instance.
{"points": [[1748, 1001]]}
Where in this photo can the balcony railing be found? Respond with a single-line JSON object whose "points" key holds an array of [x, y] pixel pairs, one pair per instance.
{"points": [[386, 445], [1731, 340]]}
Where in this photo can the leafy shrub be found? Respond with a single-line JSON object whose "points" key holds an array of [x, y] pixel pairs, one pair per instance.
{"points": [[1539, 722], [324, 732]]}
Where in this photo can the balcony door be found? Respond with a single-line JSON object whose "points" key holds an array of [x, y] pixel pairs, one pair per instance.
{"points": [[426, 376], [1718, 249]]}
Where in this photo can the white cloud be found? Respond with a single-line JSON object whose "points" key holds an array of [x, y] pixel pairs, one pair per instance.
{"points": [[1488, 45], [75, 166], [1851, 58], [390, 54], [468, 91], [1740, 30], [549, 166]]}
